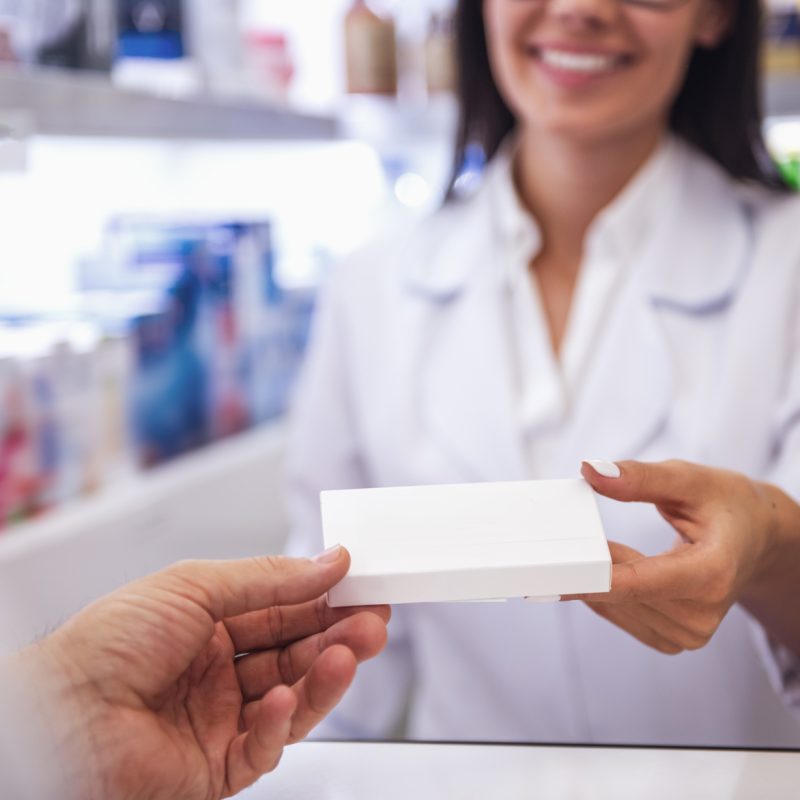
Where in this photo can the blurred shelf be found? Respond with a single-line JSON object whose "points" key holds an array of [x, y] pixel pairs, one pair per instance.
{"points": [[223, 501], [62, 103], [207, 484], [782, 95]]}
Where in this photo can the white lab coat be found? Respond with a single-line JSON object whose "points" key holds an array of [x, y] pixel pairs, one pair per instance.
{"points": [[409, 382]]}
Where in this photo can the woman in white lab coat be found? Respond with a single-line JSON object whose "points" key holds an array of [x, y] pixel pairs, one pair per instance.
{"points": [[624, 284]]}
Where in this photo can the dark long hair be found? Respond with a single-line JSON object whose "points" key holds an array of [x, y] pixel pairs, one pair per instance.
{"points": [[718, 109]]}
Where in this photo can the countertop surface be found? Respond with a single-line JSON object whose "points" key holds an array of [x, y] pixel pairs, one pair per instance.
{"points": [[352, 771]]}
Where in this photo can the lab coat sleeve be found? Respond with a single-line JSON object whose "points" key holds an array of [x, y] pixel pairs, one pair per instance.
{"points": [[783, 666], [324, 454]]}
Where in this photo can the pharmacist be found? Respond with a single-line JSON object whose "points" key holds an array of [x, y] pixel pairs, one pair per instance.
{"points": [[188, 683], [624, 284]]}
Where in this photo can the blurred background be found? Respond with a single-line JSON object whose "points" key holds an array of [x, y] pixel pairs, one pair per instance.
{"points": [[177, 177]]}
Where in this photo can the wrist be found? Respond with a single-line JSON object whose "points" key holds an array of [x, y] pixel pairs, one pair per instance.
{"points": [[771, 597], [779, 536]]}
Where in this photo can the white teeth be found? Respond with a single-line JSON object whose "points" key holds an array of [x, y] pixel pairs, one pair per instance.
{"points": [[577, 62]]}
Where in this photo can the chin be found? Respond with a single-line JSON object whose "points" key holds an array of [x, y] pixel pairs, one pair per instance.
{"points": [[581, 129]]}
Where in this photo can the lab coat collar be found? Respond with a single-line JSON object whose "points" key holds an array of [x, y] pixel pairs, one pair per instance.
{"points": [[440, 258], [701, 246], [621, 229], [656, 206]]}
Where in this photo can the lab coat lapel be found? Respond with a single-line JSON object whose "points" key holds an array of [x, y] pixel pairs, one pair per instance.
{"points": [[464, 376], [693, 265], [624, 399]]}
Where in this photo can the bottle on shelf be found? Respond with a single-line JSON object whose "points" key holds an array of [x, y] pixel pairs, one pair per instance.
{"points": [[782, 37], [152, 53], [79, 34], [370, 51], [216, 44], [440, 54], [270, 67]]}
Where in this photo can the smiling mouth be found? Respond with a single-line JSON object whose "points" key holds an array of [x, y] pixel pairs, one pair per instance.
{"points": [[580, 63]]}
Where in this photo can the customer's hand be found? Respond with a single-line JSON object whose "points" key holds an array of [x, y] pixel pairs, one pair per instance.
{"points": [[738, 542], [189, 683]]}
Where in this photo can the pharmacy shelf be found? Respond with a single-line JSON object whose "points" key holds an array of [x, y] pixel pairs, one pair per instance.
{"points": [[224, 501], [61, 103], [782, 96]]}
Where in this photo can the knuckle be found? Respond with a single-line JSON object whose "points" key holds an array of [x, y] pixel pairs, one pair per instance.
{"points": [[701, 627], [696, 640], [286, 666], [276, 624], [187, 567], [322, 611], [720, 582], [707, 627], [634, 592], [670, 648], [270, 564], [641, 483]]}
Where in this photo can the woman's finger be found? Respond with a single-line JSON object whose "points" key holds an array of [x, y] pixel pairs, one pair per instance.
{"points": [[363, 634], [281, 625], [674, 621], [678, 486], [627, 620]]}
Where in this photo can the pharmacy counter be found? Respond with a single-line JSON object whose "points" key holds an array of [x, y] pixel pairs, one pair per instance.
{"points": [[344, 771]]}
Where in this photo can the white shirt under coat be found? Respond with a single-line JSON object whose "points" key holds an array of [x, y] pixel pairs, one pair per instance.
{"points": [[432, 363]]}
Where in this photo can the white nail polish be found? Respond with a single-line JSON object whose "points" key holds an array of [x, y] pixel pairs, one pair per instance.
{"points": [[608, 469]]}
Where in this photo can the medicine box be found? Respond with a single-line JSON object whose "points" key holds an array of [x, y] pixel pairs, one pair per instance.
{"points": [[484, 541]]}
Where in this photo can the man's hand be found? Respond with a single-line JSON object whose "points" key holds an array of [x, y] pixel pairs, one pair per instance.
{"points": [[190, 682]]}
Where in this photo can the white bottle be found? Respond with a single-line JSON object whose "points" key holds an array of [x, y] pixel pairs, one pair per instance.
{"points": [[216, 44]]}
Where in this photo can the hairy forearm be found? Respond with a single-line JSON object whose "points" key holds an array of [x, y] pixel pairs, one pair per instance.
{"points": [[773, 597], [50, 725]]}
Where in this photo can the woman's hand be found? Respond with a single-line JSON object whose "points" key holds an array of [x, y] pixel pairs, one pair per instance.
{"points": [[190, 682], [739, 541]]}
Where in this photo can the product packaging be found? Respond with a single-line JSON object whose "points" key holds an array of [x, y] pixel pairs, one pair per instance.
{"points": [[470, 542]]}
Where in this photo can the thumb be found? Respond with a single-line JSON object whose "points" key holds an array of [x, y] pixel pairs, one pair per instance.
{"points": [[673, 486], [231, 588]]}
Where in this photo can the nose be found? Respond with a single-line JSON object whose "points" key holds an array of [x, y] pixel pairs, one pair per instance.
{"points": [[584, 14]]}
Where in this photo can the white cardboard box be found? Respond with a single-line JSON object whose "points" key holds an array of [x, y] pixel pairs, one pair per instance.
{"points": [[482, 541]]}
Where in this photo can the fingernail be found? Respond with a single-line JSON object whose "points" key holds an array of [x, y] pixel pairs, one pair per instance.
{"points": [[328, 556], [608, 469]]}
